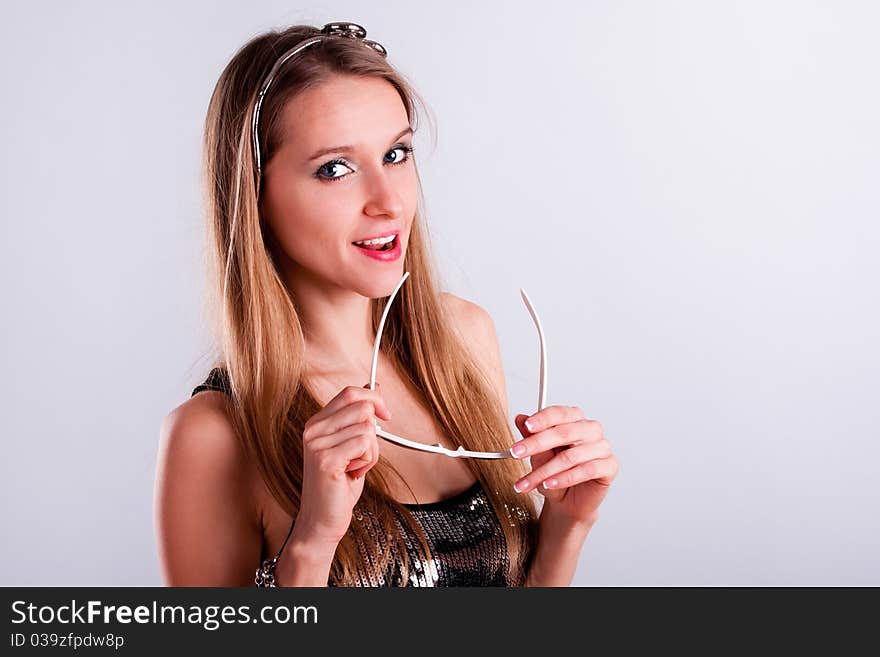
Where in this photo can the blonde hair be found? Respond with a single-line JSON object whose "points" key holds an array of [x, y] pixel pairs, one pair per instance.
{"points": [[258, 330]]}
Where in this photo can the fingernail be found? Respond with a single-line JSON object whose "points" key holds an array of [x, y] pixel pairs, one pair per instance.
{"points": [[521, 485], [549, 483], [518, 450], [529, 425]]}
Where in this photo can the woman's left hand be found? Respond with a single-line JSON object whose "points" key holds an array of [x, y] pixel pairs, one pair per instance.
{"points": [[572, 463]]}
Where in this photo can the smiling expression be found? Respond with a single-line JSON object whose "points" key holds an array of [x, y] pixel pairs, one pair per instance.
{"points": [[344, 171]]}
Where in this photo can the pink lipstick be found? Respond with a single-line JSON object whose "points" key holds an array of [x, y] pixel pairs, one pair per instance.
{"points": [[391, 253]]}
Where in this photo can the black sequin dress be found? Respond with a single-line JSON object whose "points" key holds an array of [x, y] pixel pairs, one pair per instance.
{"points": [[465, 537]]}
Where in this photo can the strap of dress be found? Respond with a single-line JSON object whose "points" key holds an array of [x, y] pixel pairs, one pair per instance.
{"points": [[218, 380], [265, 575]]}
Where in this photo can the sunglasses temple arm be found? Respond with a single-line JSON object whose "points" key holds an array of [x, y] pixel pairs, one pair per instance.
{"points": [[542, 386], [380, 329]]}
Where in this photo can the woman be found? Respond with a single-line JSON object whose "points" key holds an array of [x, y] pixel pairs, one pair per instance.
{"points": [[277, 452]]}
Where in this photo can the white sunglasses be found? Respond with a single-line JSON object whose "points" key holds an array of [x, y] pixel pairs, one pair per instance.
{"points": [[437, 448]]}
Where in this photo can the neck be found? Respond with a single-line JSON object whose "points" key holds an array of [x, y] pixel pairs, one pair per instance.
{"points": [[337, 329]]}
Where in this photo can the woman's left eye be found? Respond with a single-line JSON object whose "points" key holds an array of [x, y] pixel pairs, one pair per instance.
{"points": [[400, 160], [406, 149]]}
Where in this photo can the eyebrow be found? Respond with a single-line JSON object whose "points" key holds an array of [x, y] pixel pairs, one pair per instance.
{"points": [[346, 149]]}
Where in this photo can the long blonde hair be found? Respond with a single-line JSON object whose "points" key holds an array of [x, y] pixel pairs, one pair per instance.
{"points": [[258, 330]]}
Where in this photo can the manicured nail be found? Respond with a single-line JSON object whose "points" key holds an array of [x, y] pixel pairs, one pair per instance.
{"points": [[530, 425], [521, 485], [550, 483], [518, 450]]}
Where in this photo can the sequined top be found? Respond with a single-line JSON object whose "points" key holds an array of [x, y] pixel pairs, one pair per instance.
{"points": [[465, 537]]}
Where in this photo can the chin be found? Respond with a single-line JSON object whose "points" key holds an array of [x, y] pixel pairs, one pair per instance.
{"points": [[380, 285]]}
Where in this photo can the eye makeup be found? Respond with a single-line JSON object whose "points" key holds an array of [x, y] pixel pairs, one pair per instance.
{"points": [[407, 148]]}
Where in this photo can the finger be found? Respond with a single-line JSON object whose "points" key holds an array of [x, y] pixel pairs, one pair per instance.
{"points": [[357, 469], [518, 420], [347, 396], [565, 460], [360, 467], [359, 411], [338, 437], [354, 466], [603, 471], [553, 415], [570, 433], [537, 459], [335, 462]]}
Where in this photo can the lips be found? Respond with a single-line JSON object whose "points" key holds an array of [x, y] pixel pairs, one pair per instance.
{"points": [[385, 256]]}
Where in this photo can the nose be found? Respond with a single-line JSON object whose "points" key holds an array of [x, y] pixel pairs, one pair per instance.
{"points": [[383, 197]]}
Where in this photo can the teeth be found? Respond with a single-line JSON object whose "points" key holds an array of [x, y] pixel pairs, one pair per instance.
{"points": [[378, 240]]}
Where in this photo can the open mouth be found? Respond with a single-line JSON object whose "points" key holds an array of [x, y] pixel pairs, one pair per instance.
{"points": [[379, 247]]}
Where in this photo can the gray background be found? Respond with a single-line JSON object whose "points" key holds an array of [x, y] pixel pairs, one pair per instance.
{"points": [[687, 191]]}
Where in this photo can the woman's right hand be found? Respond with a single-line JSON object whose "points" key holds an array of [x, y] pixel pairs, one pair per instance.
{"points": [[339, 447]]}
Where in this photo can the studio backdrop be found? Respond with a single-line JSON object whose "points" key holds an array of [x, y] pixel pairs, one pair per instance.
{"points": [[687, 190]]}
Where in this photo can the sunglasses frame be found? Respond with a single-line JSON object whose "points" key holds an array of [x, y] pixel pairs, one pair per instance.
{"points": [[437, 448]]}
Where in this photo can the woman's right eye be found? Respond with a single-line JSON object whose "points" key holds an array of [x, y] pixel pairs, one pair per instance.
{"points": [[328, 168]]}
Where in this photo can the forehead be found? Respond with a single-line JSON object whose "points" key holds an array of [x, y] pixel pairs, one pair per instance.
{"points": [[343, 110]]}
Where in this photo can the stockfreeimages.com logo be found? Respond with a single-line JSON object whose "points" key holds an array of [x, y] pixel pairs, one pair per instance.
{"points": [[210, 617]]}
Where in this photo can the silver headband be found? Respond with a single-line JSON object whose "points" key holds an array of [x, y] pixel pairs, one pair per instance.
{"points": [[347, 30]]}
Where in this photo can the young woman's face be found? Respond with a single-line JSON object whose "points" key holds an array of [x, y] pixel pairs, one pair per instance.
{"points": [[361, 186]]}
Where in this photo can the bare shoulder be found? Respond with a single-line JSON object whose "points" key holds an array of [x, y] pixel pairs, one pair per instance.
{"points": [[204, 498], [201, 430], [468, 315], [477, 328]]}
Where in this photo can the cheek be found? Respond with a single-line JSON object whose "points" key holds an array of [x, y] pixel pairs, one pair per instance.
{"points": [[308, 228], [407, 188]]}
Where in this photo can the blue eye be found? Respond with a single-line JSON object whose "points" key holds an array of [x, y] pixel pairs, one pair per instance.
{"points": [[329, 166], [405, 149]]}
